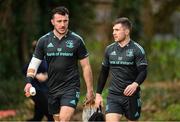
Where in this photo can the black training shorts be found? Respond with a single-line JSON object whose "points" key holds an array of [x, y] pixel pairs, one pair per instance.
{"points": [[128, 106], [69, 98]]}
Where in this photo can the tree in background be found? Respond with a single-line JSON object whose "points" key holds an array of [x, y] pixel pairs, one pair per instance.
{"points": [[21, 22], [149, 16], [25, 21], [130, 9]]}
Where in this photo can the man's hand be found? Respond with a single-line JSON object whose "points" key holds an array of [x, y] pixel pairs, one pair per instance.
{"points": [[98, 100], [42, 77], [90, 97], [27, 89], [130, 89]]}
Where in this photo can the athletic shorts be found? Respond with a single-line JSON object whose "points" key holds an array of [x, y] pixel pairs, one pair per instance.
{"points": [[69, 98], [128, 106]]}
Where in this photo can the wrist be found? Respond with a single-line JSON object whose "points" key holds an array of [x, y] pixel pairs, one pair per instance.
{"points": [[90, 90], [136, 84], [29, 79], [98, 94], [28, 83]]}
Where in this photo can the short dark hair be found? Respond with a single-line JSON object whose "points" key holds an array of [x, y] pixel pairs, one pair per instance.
{"points": [[124, 21], [59, 10]]}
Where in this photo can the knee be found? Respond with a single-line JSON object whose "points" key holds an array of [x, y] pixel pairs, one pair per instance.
{"points": [[56, 118], [64, 118], [61, 118]]}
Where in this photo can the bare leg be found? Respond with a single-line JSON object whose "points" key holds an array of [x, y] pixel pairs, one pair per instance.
{"points": [[113, 117], [56, 117], [66, 113]]}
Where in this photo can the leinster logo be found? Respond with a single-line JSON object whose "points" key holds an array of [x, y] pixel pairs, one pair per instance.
{"points": [[129, 53], [59, 49], [69, 44]]}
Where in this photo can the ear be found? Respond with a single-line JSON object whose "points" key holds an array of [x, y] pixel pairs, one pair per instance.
{"points": [[52, 22], [127, 31]]}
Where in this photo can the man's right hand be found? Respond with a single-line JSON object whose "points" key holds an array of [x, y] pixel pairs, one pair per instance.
{"points": [[98, 100], [27, 89], [90, 97]]}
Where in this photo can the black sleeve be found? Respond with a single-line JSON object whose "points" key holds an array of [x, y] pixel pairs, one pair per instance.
{"points": [[82, 51], [140, 56], [106, 58], [102, 79], [142, 73], [39, 50]]}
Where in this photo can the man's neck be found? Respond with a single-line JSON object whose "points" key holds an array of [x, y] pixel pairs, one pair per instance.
{"points": [[58, 35], [124, 42]]}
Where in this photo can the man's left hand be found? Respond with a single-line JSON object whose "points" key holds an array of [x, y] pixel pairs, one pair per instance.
{"points": [[130, 89]]}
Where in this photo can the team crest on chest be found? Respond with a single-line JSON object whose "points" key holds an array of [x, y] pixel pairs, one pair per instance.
{"points": [[119, 58], [59, 49], [129, 53], [69, 44]]}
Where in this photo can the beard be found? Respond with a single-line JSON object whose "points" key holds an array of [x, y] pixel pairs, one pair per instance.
{"points": [[61, 33]]}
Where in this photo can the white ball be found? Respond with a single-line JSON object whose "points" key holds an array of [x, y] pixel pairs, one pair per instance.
{"points": [[32, 91]]}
